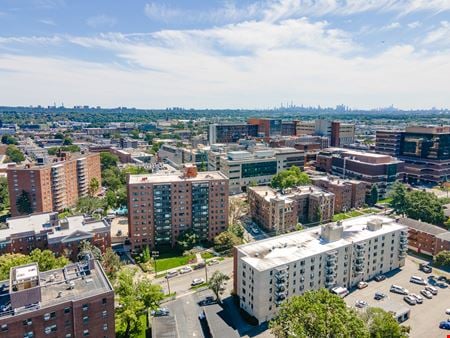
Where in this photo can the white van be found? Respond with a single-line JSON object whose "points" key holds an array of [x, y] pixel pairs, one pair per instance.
{"points": [[418, 280], [399, 289], [340, 291]]}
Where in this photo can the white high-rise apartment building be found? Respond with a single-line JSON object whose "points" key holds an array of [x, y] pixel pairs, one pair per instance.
{"points": [[342, 254]]}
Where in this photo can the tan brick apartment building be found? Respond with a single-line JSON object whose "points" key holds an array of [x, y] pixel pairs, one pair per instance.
{"points": [[42, 231], [162, 206], [55, 186], [280, 212], [426, 238], [348, 194], [75, 301]]}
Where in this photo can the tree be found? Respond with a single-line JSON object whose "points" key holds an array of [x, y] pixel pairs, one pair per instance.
{"points": [[188, 239], [4, 194], [134, 297], [237, 207], [317, 314], [67, 141], [88, 204], [23, 203], [225, 241], [398, 198], [46, 261], [424, 206], [236, 229], [289, 178], [108, 160], [216, 283], [111, 263], [14, 154], [87, 247], [59, 136], [372, 199], [9, 139], [134, 134], [442, 259], [145, 254], [382, 324], [93, 186]]}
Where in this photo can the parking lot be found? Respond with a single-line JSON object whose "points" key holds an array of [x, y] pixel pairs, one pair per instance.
{"points": [[424, 318]]}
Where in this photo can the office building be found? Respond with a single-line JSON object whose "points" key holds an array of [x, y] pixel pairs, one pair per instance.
{"points": [[75, 301], [230, 132], [281, 211], [23, 234], [257, 167], [388, 142], [162, 206], [426, 238], [269, 271], [338, 133], [55, 186], [267, 127], [379, 169], [348, 194]]}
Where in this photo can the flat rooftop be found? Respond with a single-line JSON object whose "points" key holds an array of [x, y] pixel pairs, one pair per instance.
{"points": [[269, 193], [175, 176], [38, 223], [276, 251], [70, 283]]}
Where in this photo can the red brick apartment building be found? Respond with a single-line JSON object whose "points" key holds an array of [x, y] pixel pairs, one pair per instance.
{"points": [[42, 231], [162, 206], [55, 186], [75, 301], [426, 238]]}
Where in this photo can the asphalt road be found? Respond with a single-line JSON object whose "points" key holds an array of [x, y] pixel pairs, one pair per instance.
{"points": [[181, 284], [186, 311]]}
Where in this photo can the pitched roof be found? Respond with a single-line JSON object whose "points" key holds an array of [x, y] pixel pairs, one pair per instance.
{"points": [[422, 226]]}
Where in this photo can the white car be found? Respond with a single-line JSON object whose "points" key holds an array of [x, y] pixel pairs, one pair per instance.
{"points": [[447, 312], [197, 281], [419, 298], [410, 300], [431, 289], [171, 274], [186, 269], [362, 285], [213, 262], [426, 294], [361, 304]]}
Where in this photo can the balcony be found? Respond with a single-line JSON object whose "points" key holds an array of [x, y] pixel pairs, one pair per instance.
{"points": [[281, 294], [280, 282], [280, 288], [359, 262]]}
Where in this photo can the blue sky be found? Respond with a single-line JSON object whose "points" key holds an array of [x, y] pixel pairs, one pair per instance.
{"points": [[225, 54]]}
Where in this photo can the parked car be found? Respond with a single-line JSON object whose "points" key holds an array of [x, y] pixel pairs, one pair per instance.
{"points": [[425, 268], [160, 312], [399, 289], [379, 295], [432, 280], [426, 294], [213, 262], [431, 289], [445, 325], [410, 300], [207, 301], [447, 312], [185, 269], [197, 281], [442, 285], [442, 279], [199, 266], [362, 285], [171, 274], [361, 304], [419, 298], [380, 278], [255, 230], [418, 280]]}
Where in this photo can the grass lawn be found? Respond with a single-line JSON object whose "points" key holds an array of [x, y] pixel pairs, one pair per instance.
{"points": [[173, 262], [370, 210], [207, 255], [385, 200], [142, 334], [345, 215]]}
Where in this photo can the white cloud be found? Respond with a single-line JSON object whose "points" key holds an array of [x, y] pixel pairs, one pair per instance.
{"points": [[414, 24], [47, 22], [101, 21], [440, 35]]}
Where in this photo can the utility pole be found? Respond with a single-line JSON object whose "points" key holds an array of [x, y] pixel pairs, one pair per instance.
{"points": [[206, 272], [155, 254], [168, 285]]}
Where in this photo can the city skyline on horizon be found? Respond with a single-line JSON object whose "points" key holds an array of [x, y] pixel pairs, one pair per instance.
{"points": [[226, 54]]}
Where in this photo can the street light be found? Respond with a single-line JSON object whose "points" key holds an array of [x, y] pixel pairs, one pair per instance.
{"points": [[155, 254], [168, 285]]}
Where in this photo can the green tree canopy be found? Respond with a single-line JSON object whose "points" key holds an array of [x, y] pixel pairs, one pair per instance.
{"points": [[290, 178], [225, 241], [216, 283], [14, 154], [4, 194], [317, 314], [94, 185], [9, 139], [382, 324], [398, 196], [424, 206], [188, 239], [45, 258], [88, 204], [111, 263], [108, 160], [372, 199], [442, 259]]}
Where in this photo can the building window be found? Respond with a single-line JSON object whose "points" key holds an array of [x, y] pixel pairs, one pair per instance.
{"points": [[4, 328], [105, 327], [28, 334], [104, 301], [27, 322], [67, 310], [69, 335], [85, 307], [50, 329], [104, 314], [86, 333]]}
